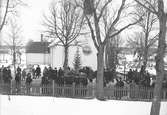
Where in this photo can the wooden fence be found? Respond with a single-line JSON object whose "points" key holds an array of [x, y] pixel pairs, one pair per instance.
{"points": [[136, 93], [53, 89], [80, 91]]}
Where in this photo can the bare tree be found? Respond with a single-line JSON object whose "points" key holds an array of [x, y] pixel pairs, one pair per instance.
{"points": [[148, 27], [64, 25], [112, 50], [142, 47], [101, 22], [6, 7], [157, 7], [3, 18], [15, 43]]}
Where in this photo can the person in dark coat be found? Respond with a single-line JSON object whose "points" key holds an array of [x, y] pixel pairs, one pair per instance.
{"points": [[45, 80], [50, 73], [4, 74], [118, 93], [18, 69], [33, 72], [130, 76], [38, 72], [1, 74], [24, 74], [18, 81], [55, 74], [28, 82], [60, 72], [7, 79], [44, 84], [9, 76]]}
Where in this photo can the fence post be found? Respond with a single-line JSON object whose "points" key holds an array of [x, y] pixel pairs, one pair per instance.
{"points": [[164, 94], [53, 84], [73, 89], [40, 90], [128, 91], [11, 87], [63, 89]]}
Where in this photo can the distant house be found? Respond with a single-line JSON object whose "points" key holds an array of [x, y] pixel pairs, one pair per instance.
{"points": [[4, 55], [37, 53], [126, 56], [57, 56]]}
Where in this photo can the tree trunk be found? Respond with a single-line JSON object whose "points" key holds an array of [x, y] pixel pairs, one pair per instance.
{"points": [[145, 57], [156, 103], [14, 62], [100, 72], [107, 56], [65, 65]]}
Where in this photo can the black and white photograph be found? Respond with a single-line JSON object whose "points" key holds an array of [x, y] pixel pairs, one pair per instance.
{"points": [[83, 57]]}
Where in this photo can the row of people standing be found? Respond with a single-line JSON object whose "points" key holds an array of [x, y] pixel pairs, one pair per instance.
{"points": [[50, 74], [5, 75], [35, 72], [22, 75]]}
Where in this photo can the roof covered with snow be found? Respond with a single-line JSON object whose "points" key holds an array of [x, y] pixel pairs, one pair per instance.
{"points": [[38, 47]]}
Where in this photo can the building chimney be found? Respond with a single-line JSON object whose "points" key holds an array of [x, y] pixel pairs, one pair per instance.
{"points": [[42, 40]]}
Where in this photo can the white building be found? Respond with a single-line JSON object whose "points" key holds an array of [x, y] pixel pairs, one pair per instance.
{"points": [[4, 56], [37, 53], [57, 56]]}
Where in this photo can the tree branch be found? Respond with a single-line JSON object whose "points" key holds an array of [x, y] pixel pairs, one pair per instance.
{"points": [[102, 10], [117, 18], [149, 9], [119, 31], [92, 33], [5, 15]]}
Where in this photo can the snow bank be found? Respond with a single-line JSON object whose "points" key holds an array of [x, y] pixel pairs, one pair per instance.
{"points": [[25, 105]]}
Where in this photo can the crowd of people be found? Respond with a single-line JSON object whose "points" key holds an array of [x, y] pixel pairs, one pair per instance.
{"points": [[60, 78], [5, 74], [5, 77], [83, 77]]}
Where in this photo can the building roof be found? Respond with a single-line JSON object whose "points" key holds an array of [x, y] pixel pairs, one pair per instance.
{"points": [[4, 51], [38, 47]]}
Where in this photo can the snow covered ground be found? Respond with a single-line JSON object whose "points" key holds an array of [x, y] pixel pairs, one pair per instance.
{"points": [[26, 105]]}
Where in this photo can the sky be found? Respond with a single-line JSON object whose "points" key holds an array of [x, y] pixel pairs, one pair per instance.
{"points": [[31, 17]]}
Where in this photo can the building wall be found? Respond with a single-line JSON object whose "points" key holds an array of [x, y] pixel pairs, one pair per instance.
{"points": [[5, 59], [37, 58], [57, 57]]}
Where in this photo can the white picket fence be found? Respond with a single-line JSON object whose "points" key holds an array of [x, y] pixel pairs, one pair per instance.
{"points": [[53, 89], [80, 91], [137, 93]]}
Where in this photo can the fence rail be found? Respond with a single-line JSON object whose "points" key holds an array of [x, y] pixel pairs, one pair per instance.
{"points": [[53, 89], [80, 91], [137, 93]]}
